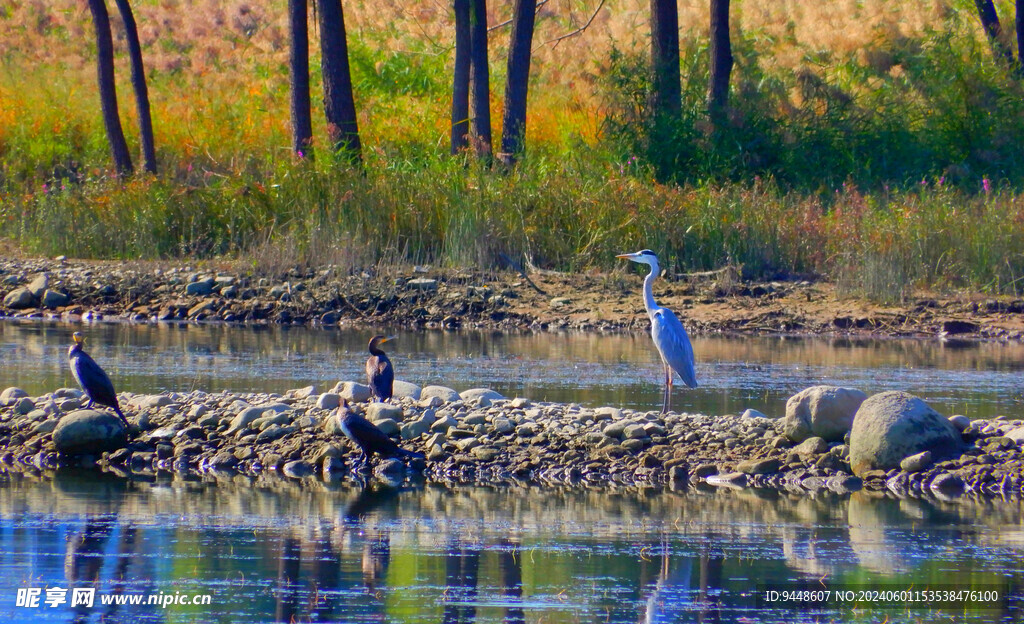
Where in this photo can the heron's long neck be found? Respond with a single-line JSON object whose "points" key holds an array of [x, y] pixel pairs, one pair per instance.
{"points": [[649, 292]]}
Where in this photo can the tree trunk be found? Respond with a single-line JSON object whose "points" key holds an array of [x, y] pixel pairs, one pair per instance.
{"points": [[460, 83], [339, 104], [665, 86], [1019, 10], [139, 84], [108, 90], [298, 69], [990, 22], [721, 59], [517, 81], [480, 79]]}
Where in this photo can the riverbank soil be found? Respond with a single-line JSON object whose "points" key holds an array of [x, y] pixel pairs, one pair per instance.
{"points": [[436, 297]]}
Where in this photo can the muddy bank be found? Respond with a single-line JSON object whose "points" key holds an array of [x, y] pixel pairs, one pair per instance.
{"points": [[443, 298], [478, 437]]}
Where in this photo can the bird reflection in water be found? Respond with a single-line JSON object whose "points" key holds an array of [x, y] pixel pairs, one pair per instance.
{"points": [[84, 558], [462, 566], [462, 576], [673, 597], [312, 582]]}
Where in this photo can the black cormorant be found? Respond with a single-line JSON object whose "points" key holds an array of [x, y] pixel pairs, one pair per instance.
{"points": [[92, 378], [379, 372], [368, 437]]}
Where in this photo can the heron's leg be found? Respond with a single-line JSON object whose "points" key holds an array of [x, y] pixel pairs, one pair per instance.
{"points": [[666, 389], [668, 393]]}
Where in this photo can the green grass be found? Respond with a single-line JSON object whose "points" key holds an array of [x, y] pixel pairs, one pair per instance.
{"points": [[892, 170]]}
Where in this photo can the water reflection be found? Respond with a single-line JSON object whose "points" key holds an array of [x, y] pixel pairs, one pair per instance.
{"points": [[979, 379], [267, 549]]}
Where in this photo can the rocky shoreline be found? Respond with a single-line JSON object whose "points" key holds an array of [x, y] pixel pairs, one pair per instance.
{"points": [[480, 437], [426, 297]]}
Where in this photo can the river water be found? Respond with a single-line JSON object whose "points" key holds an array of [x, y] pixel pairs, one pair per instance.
{"points": [[980, 380], [273, 550]]}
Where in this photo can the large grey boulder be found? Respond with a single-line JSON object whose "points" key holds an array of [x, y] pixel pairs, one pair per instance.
{"points": [[89, 431], [405, 389], [892, 426], [479, 394], [200, 288], [38, 285], [442, 392], [54, 299], [11, 395], [19, 299], [352, 391], [376, 412], [823, 411]]}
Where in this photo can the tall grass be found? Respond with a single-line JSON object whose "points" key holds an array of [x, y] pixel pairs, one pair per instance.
{"points": [[885, 166]]}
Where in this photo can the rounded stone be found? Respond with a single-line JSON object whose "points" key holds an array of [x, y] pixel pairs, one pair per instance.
{"points": [[917, 463], [404, 389], [823, 411], [479, 394], [10, 395], [245, 418], [89, 431], [24, 405], [892, 426], [328, 401], [388, 426], [811, 446], [54, 299], [19, 299], [759, 466], [960, 421], [384, 411], [353, 392], [200, 288], [38, 285]]}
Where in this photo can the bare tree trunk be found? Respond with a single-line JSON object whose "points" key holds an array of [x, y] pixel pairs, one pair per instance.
{"points": [[1019, 10], [517, 81], [666, 92], [139, 85], [990, 22], [480, 88], [460, 83], [108, 90], [298, 68], [339, 103], [721, 59]]}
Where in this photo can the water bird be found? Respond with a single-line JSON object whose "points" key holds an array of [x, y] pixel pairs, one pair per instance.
{"points": [[380, 374], [368, 437], [93, 379], [668, 333]]}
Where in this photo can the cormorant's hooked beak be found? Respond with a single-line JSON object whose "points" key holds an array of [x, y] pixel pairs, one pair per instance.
{"points": [[78, 338], [387, 339]]}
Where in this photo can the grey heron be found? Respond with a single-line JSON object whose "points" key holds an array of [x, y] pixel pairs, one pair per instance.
{"points": [[668, 333]]}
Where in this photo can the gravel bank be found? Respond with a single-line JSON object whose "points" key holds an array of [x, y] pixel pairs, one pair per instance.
{"points": [[479, 437]]}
